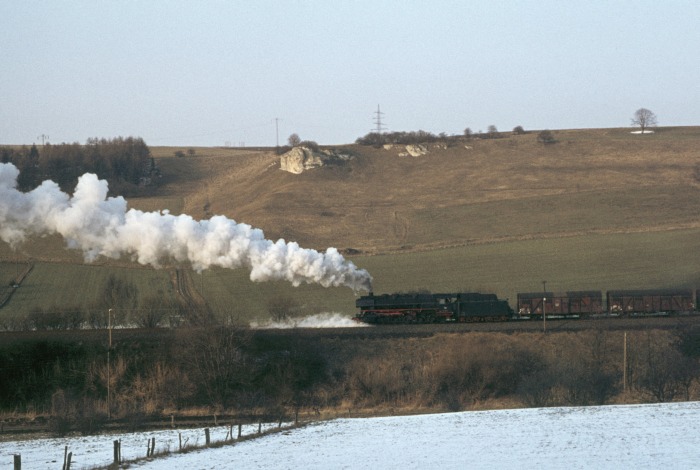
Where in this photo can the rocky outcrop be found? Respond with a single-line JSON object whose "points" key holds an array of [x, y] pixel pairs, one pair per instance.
{"points": [[414, 151], [300, 159]]}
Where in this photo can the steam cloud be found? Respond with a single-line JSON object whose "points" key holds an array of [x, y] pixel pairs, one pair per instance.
{"points": [[102, 226], [319, 320]]}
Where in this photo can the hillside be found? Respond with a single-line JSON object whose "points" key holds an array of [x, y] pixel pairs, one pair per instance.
{"points": [[481, 191], [601, 208]]}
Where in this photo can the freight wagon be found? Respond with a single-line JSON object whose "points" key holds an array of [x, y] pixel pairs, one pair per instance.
{"points": [[478, 307], [572, 304]]}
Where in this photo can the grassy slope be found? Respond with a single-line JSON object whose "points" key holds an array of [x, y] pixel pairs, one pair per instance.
{"points": [[600, 209]]}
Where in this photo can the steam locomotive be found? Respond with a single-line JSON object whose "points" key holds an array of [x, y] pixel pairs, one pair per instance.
{"points": [[478, 307]]}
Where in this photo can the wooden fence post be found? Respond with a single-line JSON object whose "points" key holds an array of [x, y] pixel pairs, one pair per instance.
{"points": [[179, 436], [66, 465], [260, 427], [116, 452], [239, 430], [151, 447], [18, 462], [206, 436]]}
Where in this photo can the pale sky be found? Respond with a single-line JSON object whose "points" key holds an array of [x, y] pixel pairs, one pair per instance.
{"points": [[208, 73]]}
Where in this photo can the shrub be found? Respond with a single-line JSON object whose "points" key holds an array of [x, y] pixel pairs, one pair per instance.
{"points": [[310, 144], [546, 137]]}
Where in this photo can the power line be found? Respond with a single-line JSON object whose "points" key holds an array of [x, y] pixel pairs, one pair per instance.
{"points": [[378, 121]]}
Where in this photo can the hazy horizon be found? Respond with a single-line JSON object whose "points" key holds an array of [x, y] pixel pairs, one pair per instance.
{"points": [[216, 73]]}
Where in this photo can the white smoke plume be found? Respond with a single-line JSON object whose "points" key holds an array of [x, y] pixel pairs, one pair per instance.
{"points": [[319, 320], [102, 226]]}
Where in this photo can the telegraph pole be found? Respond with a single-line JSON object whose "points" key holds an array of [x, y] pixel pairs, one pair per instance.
{"points": [[277, 132], [43, 138], [109, 349], [544, 306], [624, 363]]}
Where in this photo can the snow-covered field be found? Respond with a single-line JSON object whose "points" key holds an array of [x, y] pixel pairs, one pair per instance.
{"points": [[616, 437]]}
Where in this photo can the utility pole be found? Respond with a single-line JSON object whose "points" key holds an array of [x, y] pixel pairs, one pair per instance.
{"points": [[544, 306], [277, 132], [43, 138], [624, 363], [109, 366], [378, 121]]}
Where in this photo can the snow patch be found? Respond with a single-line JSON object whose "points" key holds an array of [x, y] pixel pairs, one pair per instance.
{"points": [[634, 437]]}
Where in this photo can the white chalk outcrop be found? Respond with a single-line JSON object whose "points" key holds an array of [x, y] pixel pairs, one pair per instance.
{"points": [[300, 159]]}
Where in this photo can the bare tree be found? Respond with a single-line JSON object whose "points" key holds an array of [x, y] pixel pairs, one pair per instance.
{"points": [[294, 140], [644, 118], [282, 308], [220, 363]]}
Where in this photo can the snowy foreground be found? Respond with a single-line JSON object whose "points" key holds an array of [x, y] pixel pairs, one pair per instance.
{"points": [[616, 437]]}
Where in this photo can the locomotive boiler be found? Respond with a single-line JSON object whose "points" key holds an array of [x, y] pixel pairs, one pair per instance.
{"points": [[432, 308]]}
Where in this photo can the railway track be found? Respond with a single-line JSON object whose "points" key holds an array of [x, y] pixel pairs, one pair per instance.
{"points": [[680, 323], [685, 322]]}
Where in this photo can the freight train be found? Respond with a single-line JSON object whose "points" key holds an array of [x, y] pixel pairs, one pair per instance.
{"points": [[478, 307]]}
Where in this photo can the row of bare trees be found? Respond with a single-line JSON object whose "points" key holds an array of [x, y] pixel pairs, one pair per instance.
{"points": [[221, 369], [643, 118], [124, 162], [119, 304], [557, 370], [240, 372]]}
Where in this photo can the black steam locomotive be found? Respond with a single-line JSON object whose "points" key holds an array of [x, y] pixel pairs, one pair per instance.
{"points": [[477, 307], [432, 308]]}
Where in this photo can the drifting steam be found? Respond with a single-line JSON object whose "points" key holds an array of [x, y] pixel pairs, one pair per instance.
{"points": [[319, 320], [102, 226]]}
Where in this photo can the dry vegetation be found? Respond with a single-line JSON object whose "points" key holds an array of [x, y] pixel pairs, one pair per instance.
{"points": [[248, 376]]}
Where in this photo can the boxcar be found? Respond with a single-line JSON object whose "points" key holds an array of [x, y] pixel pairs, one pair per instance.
{"points": [[650, 302], [572, 304]]}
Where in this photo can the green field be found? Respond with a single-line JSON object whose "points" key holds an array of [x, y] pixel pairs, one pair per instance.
{"points": [[597, 261]]}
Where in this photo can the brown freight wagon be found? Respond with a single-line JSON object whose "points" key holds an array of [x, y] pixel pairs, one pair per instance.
{"points": [[569, 304], [651, 302]]}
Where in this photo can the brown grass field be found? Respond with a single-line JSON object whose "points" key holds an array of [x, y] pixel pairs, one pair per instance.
{"points": [[600, 209]]}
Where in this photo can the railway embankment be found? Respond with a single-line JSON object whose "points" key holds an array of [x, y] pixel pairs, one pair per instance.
{"points": [[72, 382]]}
